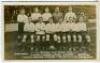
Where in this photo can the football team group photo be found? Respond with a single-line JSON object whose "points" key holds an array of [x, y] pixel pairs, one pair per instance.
{"points": [[50, 31]]}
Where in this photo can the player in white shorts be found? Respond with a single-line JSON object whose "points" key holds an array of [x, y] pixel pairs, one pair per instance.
{"points": [[22, 19], [86, 39], [35, 15], [59, 33], [40, 32], [29, 31], [77, 38], [29, 27], [70, 36], [65, 36], [46, 15], [55, 30], [50, 30], [63, 27]]}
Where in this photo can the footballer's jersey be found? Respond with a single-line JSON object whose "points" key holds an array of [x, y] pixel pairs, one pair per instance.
{"points": [[57, 16], [35, 16], [82, 26], [57, 27], [73, 27], [77, 27], [40, 28], [68, 27], [22, 18], [50, 28], [46, 16], [29, 27], [65, 27], [69, 15]]}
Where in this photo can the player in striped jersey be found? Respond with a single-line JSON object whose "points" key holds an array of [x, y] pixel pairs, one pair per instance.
{"points": [[69, 14]]}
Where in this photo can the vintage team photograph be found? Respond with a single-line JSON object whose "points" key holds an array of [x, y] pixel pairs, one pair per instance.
{"points": [[40, 32]]}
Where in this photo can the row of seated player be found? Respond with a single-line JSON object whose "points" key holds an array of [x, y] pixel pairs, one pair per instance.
{"points": [[53, 28]]}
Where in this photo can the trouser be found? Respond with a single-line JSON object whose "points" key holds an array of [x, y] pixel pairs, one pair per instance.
{"points": [[20, 28], [73, 39], [49, 40], [84, 44], [58, 43], [84, 40], [27, 40], [64, 38], [40, 39], [49, 37]]}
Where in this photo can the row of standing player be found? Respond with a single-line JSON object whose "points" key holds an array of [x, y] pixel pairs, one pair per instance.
{"points": [[47, 14]]}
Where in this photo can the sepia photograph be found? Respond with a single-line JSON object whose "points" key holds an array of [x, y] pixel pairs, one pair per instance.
{"points": [[53, 31]]}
